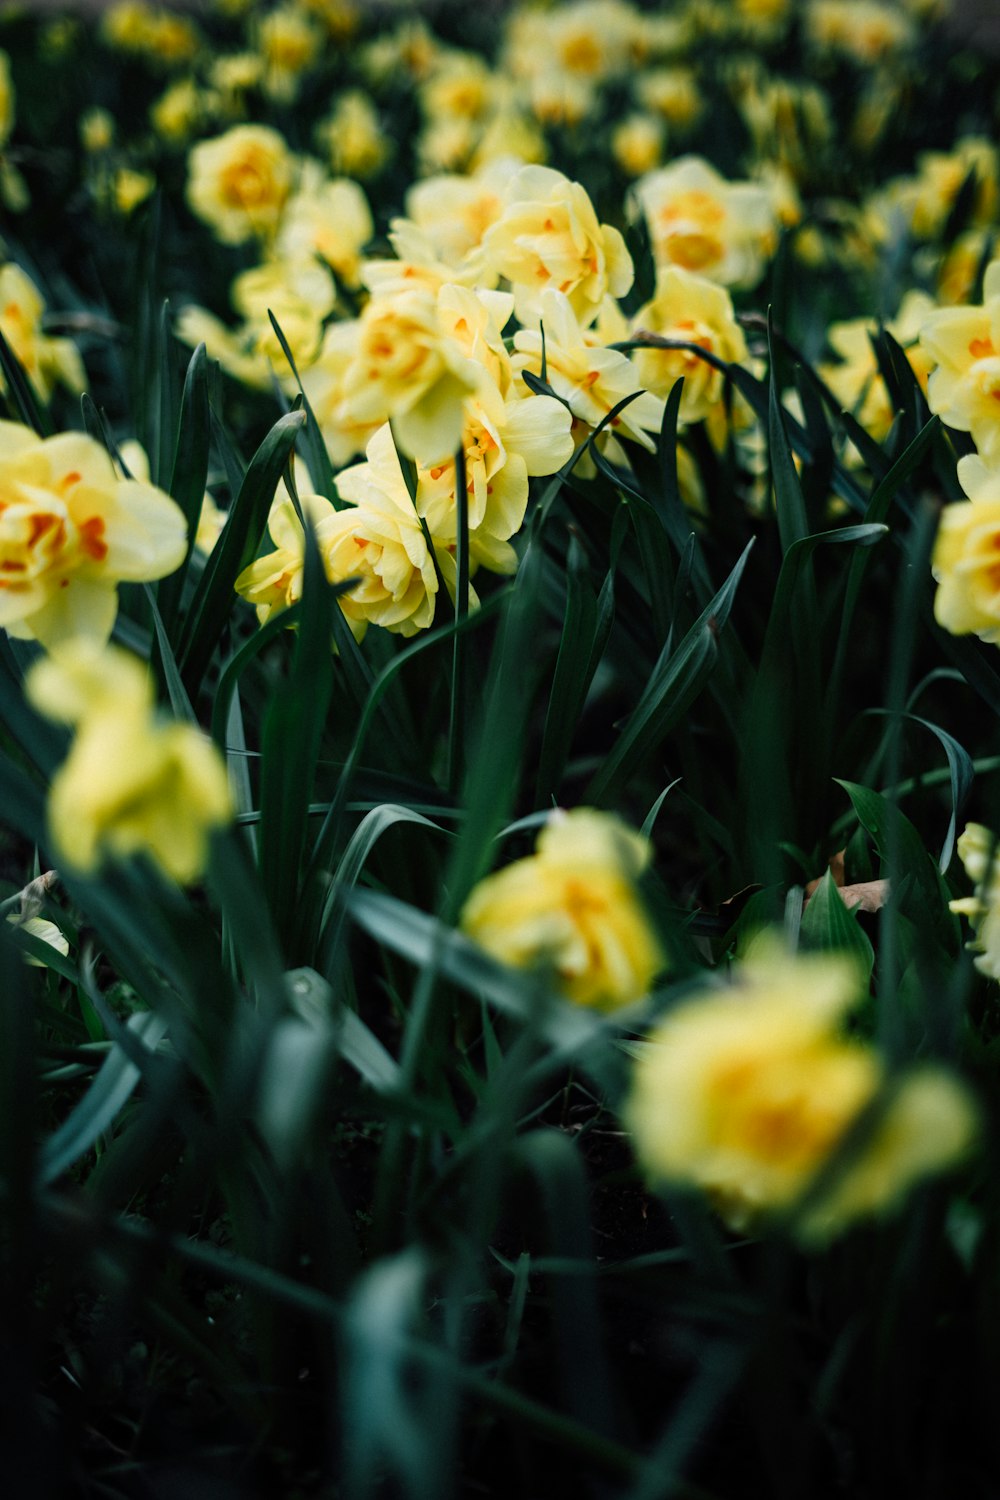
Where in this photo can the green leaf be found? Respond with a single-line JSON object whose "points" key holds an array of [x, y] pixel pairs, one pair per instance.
{"points": [[101, 1104], [236, 547], [793, 522], [352, 862], [290, 742], [586, 627], [423, 940], [190, 473], [314, 451], [828, 926], [675, 682], [925, 900]]}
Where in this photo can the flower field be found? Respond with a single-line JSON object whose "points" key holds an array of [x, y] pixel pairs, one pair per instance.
{"points": [[499, 705]]}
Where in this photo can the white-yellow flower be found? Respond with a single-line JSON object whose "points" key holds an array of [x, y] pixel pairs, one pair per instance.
{"points": [[132, 783], [238, 182], [573, 906], [703, 223], [71, 531], [548, 237]]}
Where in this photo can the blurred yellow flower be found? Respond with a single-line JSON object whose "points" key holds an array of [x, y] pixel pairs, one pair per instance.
{"points": [[288, 42], [132, 783], [177, 113], [238, 182], [573, 907], [353, 137], [274, 581], [862, 30], [46, 361], [637, 143], [700, 222], [692, 310], [129, 188], [71, 531], [547, 237], [856, 380], [328, 218], [747, 1092], [977, 849], [672, 93], [964, 388], [97, 129], [966, 558]]}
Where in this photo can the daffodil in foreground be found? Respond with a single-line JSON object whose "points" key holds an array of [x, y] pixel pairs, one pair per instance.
{"points": [[132, 782], [71, 531], [748, 1092], [573, 906]]}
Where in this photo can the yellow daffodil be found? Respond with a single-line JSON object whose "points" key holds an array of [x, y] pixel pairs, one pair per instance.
{"points": [[964, 388], [132, 783], [692, 310], [46, 361], [700, 222], [71, 531], [966, 559], [747, 1092], [548, 237], [573, 907], [238, 182]]}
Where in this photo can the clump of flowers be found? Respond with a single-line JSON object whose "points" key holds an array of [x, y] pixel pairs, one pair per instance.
{"points": [[748, 1092], [132, 782], [573, 908]]}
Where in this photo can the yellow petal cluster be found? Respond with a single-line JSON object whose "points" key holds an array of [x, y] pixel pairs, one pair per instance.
{"points": [[966, 558], [692, 310], [238, 182], [132, 783], [46, 361], [703, 223], [548, 237], [747, 1092], [573, 907], [977, 848], [964, 388], [71, 531]]}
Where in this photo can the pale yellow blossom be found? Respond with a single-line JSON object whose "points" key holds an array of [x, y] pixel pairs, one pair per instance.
{"points": [[71, 531], [964, 386], [548, 236], [573, 908], [703, 223], [692, 310], [132, 783], [238, 182], [747, 1092], [46, 361]]}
